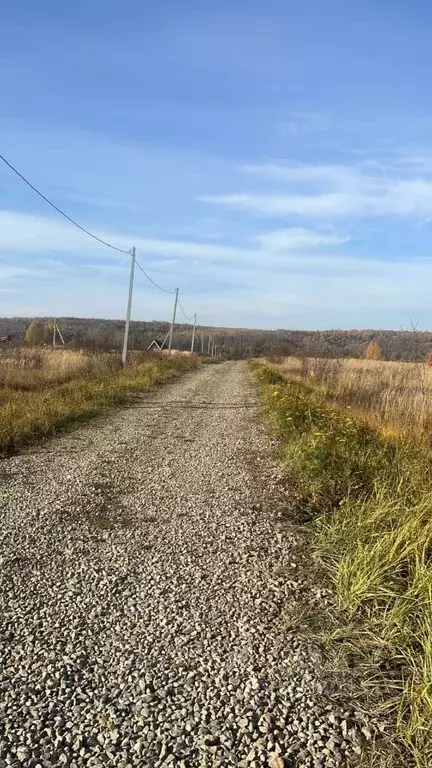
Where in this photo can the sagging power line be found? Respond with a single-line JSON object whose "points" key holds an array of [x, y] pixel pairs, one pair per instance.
{"points": [[59, 210], [187, 317], [131, 253], [151, 279]]}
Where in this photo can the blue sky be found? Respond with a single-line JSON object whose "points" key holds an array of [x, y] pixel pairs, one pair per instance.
{"points": [[272, 159]]}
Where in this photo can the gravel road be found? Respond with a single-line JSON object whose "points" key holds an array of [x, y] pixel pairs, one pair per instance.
{"points": [[141, 595]]}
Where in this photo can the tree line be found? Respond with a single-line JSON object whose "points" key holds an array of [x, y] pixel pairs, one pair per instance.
{"points": [[235, 343]]}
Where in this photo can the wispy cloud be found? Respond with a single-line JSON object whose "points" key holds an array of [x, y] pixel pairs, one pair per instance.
{"points": [[9, 273], [299, 249], [277, 206], [298, 239], [281, 249], [337, 176], [27, 233], [334, 191]]}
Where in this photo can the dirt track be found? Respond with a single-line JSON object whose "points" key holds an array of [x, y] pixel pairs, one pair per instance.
{"points": [[141, 594]]}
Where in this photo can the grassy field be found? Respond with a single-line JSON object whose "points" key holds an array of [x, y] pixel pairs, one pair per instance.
{"points": [[43, 390], [356, 446], [394, 397]]}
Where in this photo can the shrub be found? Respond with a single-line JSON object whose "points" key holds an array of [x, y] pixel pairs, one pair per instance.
{"points": [[373, 351]]}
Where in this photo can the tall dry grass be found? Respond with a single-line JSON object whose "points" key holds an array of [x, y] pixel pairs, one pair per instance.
{"points": [[35, 368], [42, 390], [347, 430], [394, 397]]}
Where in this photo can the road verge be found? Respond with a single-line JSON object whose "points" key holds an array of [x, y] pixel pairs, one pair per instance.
{"points": [[29, 414], [366, 499]]}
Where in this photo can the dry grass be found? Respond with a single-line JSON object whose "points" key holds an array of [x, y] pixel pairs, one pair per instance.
{"points": [[347, 429], [32, 368], [394, 397], [43, 390]]}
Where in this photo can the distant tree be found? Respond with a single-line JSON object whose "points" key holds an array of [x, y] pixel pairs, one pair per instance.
{"points": [[98, 340], [373, 351], [38, 332]]}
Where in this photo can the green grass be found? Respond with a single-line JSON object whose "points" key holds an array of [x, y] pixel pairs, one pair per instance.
{"points": [[369, 499], [27, 415], [209, 360]]}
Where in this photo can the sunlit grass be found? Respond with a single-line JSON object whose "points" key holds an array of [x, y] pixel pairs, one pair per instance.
{"points": [[43, 391], [396, 398], [368, 487]]}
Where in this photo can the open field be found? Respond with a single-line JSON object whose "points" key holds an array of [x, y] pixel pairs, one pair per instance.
{"points": [[394, 397], [356, 448], [42, 390]]}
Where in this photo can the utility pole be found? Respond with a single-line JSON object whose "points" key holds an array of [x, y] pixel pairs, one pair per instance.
{"points": [[60, 334], [202, 343], [173, 321], [213, 349], [129, 307], [209, 343], [193, 333], [54, 332]]}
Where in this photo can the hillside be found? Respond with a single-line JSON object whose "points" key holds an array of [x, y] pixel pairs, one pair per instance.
{"points": [[235, 342]]}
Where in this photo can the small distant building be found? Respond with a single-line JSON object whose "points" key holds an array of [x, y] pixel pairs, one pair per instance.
{"points": [[4, 338]]}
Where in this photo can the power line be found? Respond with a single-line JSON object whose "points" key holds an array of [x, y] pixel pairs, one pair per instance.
{"points": [[151, 280], [75, 223], [114, 248], [184, 313], [62, 213]]}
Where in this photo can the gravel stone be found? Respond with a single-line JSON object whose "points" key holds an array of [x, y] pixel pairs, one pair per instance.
{"points": [[141, 602]]}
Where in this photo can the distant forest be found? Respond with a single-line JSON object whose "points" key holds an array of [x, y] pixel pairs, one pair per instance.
{"points": [[232, 342]]}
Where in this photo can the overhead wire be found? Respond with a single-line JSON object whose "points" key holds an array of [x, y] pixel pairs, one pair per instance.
{"points": [[56, 208], [184, 313], [87, 231], [151, 279]]}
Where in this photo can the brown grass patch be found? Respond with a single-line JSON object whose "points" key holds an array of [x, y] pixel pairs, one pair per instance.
{"points": [[44, 390]]}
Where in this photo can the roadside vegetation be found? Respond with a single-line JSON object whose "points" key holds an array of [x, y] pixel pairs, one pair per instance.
{"points": [[43, 390], [357, 447], [209, 360]]}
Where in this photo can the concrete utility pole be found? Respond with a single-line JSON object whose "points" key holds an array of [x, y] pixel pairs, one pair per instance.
{"points": [[193, 333], [129, 307], [54, 332], [60, 334], [173, 321]]}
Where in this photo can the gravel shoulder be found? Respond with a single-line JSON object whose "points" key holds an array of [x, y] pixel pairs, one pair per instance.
{"points": [[141, 599]]}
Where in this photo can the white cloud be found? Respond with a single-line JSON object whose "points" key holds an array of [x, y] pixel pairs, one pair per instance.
{"points": [[333, 192], [297, 239], [312, 206], [27, 233], [293, 276], [10, 273], [338, 176], [281, 249], [293, 248]]}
